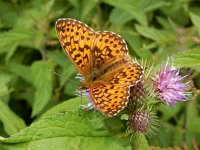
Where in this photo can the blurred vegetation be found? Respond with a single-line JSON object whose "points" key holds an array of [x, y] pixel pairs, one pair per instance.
{"points": [[29, 49]]}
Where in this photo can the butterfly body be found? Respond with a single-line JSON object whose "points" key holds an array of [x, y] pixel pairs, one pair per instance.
{"points": [[103, 61]]}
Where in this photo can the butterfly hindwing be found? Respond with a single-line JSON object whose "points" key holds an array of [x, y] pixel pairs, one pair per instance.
{"points": [[111, 92], [110, 99]]}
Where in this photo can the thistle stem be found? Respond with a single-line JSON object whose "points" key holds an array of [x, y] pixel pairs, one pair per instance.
{"points": [[139, 141]]}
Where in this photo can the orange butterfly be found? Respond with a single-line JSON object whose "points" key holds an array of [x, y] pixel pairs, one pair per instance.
{"points": [[102, 59]]}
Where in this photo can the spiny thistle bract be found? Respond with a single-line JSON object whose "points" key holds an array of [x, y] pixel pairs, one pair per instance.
{"points": [[163, 85]]}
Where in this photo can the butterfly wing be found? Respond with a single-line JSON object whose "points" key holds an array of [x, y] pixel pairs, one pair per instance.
{"points": [[93, 51], [107, 48], [109, 99], [89, 50], [76, 39], [111, 93]]}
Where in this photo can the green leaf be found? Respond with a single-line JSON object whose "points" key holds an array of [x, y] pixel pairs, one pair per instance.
{"points": [[188, 59], [169, 112], [75, 3], [4, 89], [11, 122], [87, 6], [15, 36], [7, 11], [40, 77], [135, 44], [68, 105], [151, 5], [60, 58], [21, 70], [165, 23], [140, 142], [68, 68], [37, 15], [130, 7], [43, 82], [196, 21], [160, 36], [137, 8], [120, 17], [11, 50], [67, 131], [177, 11], [193, 131]]}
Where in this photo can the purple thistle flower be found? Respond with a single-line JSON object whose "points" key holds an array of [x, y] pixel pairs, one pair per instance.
{"points": [[168, 85], [90, 101]]}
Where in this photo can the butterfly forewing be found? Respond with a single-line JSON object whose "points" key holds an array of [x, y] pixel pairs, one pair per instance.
{"points": [[76, 39], [126, 74], [108, 46]]}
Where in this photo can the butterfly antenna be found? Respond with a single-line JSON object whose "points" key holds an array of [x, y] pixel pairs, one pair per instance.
{"points": [[55, 73]]}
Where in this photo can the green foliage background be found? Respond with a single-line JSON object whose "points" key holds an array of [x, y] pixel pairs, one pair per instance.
{"points": [[29, 92]]}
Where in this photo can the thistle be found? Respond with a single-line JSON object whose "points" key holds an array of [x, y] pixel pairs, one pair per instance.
{"points": [[169, 86], [140, 121]]}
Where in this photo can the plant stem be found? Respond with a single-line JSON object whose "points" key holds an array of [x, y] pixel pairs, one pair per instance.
{"points": [[139, 141]]}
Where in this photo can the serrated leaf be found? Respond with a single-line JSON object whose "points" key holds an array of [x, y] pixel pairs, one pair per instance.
{"points": [[189, 58], [43, 82], [67, 131], [11, 122]]}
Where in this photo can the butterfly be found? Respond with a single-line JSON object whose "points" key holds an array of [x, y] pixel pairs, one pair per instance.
{"points": [[103, 61]]}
